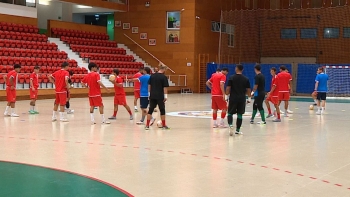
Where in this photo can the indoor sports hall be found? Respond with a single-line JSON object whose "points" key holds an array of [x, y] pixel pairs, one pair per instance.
{"points": [[305, 154]]}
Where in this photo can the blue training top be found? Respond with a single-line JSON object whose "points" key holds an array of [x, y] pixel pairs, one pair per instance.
{"points": [[144, 85], [322, 79]]}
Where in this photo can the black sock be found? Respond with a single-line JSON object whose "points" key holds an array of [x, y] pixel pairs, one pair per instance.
{"points": [[67, 104], [239, 123]]}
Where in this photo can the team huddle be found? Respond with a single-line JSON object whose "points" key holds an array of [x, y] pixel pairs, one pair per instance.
{"points": [[239, 92], [151, 89]]}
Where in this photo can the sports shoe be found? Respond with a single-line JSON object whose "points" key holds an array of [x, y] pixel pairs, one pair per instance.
{"points": [[31, 112], [230, 130], [222, 124], [165, 128], [6, 114], [146, 127], [261, 122], [93, 122], [64, 120], [319, 112], [54, 119], [239, 133], [140, 123], [14, 115], [105, 122], [112, 118], [285, 115], [152, 121], [136, 110], [289, 111], [215, 125], [276, 120], [269, 116], [36, 112], [70, 111], [131, 117], [251, 121]]}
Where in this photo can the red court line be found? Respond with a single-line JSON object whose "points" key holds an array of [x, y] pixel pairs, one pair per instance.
{"points": [[70, 172]]}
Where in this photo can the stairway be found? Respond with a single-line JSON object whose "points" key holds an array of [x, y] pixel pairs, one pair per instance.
{"points": [[71, 55], [136, 57]]}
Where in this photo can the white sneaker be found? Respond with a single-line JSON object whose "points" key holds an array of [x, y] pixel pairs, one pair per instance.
{"points": [[215, 125], [289, 111], [319, 112], [285, 115], [64, 120], [14, 115], [231, 130], [54, 119], [70, 111], [6, 114], [106, 122], [140, 123]]}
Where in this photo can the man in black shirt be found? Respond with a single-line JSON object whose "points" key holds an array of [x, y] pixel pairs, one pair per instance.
{"points": [[238, 87], [259, 95], [158, 94]]}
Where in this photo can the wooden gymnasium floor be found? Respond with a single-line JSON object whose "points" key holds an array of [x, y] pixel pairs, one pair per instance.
{"points": [[305, 155]]}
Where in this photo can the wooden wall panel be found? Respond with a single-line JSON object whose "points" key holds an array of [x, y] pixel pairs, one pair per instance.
{"points": [[18, 19], [75, 26]]}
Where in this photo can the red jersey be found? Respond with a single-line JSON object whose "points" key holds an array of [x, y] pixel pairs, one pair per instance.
{"points": [[137, 84], [119, 90], [60, 77], [34, 78], [216, 79], [284, 79], [274, 83], [12, 74], [92, 80]]}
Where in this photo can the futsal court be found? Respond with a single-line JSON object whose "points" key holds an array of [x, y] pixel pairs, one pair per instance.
{"points": [[304, 155]]}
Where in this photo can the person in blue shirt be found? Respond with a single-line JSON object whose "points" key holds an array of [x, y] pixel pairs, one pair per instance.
{"points": [[144, 95], [321, 90]]}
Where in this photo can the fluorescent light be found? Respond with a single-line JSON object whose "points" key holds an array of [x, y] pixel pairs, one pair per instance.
{"points": [[96, 15], [44, 2], [83, 6]]}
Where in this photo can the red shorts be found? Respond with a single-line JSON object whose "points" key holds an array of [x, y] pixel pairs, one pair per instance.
{"points": [[273, 99], [11, 95], [137, 94], [119, 100], [217, 102], [33, 94], [284, 96], [96, 101], [61, 98]]}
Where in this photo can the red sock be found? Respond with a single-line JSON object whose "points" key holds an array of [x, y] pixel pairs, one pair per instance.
{"points": [[223, 115], [148, 122], [115, 114], [130, 112], [278, 115], [269, 109], [163, 123], [215, 116]]}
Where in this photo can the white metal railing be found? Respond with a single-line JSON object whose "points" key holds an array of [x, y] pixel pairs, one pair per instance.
{"points": [[178, 80], [149, 53]]}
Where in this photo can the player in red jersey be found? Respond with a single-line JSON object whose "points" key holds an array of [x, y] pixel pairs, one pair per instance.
{"points": [[93, 82], [119, 96], [272, 96], [60, 79], [218, 101], [284, 88], [137, 87], [33, 89], [11, 83]]}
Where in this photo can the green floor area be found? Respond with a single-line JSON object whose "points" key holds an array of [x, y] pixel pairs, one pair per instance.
{"points": [[26, 180], [329, 100]]}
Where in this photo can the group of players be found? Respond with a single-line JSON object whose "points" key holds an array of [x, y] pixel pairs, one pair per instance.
{"points": [[238, 92], [151, 89]]}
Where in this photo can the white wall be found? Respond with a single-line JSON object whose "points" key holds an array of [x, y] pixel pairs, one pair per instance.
{"points": [[18, 10], [46, 12]]}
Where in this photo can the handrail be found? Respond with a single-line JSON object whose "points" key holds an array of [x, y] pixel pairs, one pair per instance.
{"points": [[149, 53]]}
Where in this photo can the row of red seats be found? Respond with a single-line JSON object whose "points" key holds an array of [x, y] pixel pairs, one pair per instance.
{"points": [[23, 36], [43, 69], [28, 45], [93, 49], [35, 61], [126, 71], [42, 78], [111, 64], [107, 57], [79, 34], [14, 52], [18, 27], [88, 42]]}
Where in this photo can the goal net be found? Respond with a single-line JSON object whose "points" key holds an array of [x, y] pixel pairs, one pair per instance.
{"points": [[304, 38]]}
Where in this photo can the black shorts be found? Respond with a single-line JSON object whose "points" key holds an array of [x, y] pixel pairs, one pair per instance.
{"points": [[144, 102], [154, 102], [321, 96], [236, 107], [259, 99]]}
